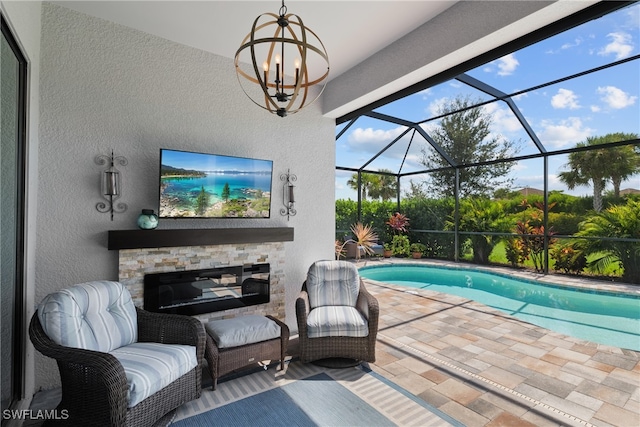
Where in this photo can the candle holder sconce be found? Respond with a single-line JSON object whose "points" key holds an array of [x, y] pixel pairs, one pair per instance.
{"points": [[288, 197], [110, 184]]}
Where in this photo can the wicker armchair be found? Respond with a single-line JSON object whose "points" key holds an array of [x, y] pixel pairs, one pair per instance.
{"points": [[325, 329], [95, 389]]}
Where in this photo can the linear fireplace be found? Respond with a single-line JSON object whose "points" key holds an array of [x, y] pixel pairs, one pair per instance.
{"points": [[207, 290]]}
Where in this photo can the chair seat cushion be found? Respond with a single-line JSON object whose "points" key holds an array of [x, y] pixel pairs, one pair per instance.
{"points": [[242, 330], [150, 367], [336, 321]]}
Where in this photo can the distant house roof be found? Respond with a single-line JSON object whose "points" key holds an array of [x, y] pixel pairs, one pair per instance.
{"points": [[528, 191], [629, 191]]}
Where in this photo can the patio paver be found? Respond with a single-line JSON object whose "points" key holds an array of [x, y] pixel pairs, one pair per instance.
{"points": [[486, 368]]}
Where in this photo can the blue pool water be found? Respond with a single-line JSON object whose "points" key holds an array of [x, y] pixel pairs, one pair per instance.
{"points": [[602, 317]]}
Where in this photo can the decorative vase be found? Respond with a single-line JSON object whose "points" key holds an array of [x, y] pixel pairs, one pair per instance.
{"points": [[148, 220]]}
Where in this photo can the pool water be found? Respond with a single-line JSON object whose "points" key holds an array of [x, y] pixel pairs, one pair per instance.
{"points": [[606, 318]]}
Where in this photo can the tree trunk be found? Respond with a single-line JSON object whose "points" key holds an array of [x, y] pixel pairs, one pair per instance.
{"points": [[616, 186], [598, 186]]}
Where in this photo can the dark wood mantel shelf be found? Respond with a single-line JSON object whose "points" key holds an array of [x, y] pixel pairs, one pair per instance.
{"points": [[137, 239]]}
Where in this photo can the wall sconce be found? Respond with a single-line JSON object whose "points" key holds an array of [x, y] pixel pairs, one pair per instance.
{"points": [[110, 184], [288, 197]]}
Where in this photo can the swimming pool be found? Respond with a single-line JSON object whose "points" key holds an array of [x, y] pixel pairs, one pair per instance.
{"points": [[603, 317]]}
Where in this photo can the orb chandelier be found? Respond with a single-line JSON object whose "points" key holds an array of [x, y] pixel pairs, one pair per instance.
{"points": [[275, 61]]}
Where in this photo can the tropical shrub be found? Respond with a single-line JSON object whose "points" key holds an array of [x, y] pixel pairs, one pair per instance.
{"points": [[532, 231], [565, 223], [619, 221], [478, 215], [516, 251], [569, 258], [398, 222]]}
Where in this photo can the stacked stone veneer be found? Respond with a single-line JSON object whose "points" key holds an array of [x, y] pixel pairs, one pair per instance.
{"points": [[135, 263]]}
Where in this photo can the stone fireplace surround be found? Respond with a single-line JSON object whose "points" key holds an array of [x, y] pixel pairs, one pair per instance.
{"points": [[157, 251]]}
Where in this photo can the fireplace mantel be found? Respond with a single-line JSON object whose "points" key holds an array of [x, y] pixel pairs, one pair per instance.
{"points": [[138, 239]]}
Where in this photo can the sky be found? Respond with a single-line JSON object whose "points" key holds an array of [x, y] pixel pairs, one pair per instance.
{"points": [[561, 115], [210, 162]]}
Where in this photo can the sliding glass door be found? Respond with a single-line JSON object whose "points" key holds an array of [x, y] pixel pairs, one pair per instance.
{"points": [[13, 73]]}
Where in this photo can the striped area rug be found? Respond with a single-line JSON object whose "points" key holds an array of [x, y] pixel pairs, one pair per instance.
{"points": [[309, 395]]}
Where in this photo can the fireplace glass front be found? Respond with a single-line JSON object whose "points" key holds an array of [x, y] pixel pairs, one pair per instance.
{"points": [[208, 290]]}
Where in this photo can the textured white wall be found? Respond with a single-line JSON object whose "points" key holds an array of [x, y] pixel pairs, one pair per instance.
{"points": [[104, 86]]}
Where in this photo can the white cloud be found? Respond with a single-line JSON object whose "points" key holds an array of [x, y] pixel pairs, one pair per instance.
{"points": [[507, 65], [373, 137], [435, 106], [425, 93], [565, 133], [503, 119], [616, 98], [620, 45], [595, 109], [576, 42], [565, 98]]}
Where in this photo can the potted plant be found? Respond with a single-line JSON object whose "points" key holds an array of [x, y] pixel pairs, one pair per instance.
{"points": [[417, 250], [387, 252], [364, 239], [400, 245]]}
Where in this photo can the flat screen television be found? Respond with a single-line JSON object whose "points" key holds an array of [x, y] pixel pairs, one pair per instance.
{"points": [[200, 185]]}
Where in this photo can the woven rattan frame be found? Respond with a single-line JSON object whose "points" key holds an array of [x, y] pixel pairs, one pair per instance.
{"points": [[358, 348], [94, 386], [226, 360]]}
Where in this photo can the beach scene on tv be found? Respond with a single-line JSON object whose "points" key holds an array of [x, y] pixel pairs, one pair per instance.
{"points": [[200, 185]]}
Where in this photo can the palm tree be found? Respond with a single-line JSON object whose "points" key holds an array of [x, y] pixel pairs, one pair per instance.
{"points": [[375, 185], [626, 160], [384, 186], [596, 166], [367, 182]]}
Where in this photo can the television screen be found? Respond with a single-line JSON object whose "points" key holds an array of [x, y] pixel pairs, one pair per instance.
{"points": [[199, 185]]}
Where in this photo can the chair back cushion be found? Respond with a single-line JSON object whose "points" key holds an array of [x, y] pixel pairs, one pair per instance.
{"points": [[333, 283], [93, 316]]}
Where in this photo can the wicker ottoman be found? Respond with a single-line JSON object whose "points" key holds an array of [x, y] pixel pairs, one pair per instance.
{"points": [[236, 343]]}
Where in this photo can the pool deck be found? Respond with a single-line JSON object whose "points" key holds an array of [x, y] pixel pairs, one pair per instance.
{"points": [[486, 368]]}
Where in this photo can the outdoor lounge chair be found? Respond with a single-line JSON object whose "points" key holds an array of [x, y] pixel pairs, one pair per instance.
{"points": [[119, 365], [337, 317]]}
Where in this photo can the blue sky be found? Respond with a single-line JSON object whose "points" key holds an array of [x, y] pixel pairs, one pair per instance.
{"points": [[209, 162], [561, 115]]}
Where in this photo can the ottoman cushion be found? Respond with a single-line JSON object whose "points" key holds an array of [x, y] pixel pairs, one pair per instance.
{"points": [[242, 330]]}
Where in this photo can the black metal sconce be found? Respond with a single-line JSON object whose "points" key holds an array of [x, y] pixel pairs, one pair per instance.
{"points": [[288, 197], [110, 185]]}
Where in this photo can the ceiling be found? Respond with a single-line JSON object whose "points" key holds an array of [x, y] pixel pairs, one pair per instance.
{"points": [[350, 30]]}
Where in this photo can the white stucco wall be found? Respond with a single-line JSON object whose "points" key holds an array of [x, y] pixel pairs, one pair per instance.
{"points": [[104, 86], [24, 20]]}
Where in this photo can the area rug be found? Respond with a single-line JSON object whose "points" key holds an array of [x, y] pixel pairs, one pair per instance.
{"points": [[309, 395]]}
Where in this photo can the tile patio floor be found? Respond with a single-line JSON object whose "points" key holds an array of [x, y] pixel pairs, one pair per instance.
{"points": [[485, 368]]}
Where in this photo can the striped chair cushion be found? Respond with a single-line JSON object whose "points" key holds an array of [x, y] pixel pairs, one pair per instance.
{"points": [[149, 367], [96, 315], [332, 283], [336, 321]]}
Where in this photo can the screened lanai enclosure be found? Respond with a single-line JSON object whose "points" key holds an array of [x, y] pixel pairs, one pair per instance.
{"points": [[527, 155]]}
